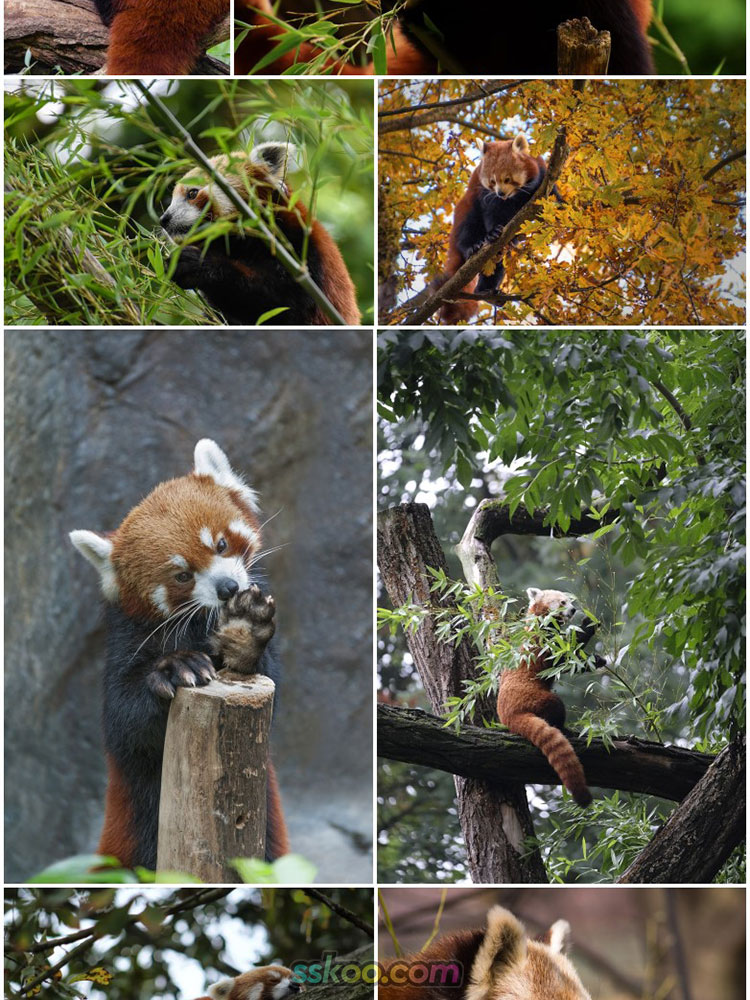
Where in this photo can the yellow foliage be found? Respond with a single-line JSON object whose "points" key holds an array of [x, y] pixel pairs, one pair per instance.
{"points": [[648, 237]]}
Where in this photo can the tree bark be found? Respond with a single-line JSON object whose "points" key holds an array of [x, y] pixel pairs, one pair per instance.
{"points": [[343, 987], [631, 764], [703, 831], [581, 49], [69, 34], [495, 818], [213, 790]]}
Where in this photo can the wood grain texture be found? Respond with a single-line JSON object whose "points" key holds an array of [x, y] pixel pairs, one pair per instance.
{"points": [[213, 796]]}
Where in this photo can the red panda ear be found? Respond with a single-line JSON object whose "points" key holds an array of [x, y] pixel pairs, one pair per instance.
{"points": [[278, 158], [532, 593], [221, 990], [485, 147], [98, 550], [558, 937], [520, 144], [209, 460], [503, 948]]}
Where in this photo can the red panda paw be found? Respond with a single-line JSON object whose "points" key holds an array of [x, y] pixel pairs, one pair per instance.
{"points": [[183, 668], [246, 628]]}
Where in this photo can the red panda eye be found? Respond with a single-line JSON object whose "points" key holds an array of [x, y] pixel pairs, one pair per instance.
{"points": [[192, 193], [221, 545], [183, 577]]}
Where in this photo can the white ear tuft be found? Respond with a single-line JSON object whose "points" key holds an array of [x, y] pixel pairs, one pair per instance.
{"points": [[210, 460], [559, 936], [503, 947], [277, 157], [520, 144], [222, 989], [98, 551], [532, 593]]}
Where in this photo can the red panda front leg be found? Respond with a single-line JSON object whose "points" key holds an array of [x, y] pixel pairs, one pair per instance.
{"points": [[159, 37], [404, 59], [246, 627]]}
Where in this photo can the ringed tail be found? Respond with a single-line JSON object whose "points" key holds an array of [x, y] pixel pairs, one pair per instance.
{"points": [[557, 749]]}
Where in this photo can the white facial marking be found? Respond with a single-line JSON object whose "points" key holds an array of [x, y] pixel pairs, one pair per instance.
{"points": [[280, 989], [244, 530], [210, 460], [220, 568], [179, 561], [98, 551], [159, 598], [255, 992], [207, 538], [183, 214]]}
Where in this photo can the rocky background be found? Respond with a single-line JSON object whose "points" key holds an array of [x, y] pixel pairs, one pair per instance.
{"points": [[93, 421]]}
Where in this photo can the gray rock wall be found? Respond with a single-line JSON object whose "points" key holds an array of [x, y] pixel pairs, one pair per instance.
{"points": [[93, 421]]}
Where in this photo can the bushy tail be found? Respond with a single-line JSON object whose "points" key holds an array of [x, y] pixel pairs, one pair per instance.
{"points": [[558, 751]]}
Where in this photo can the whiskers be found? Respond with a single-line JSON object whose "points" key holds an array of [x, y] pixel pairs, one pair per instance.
{"points": [[177, 623]]}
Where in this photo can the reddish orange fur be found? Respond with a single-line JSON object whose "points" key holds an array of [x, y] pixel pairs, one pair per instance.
{"points": [[528, 707], [157, 37], [278, 836], [146, 538], [498, 159], [118, 837]]}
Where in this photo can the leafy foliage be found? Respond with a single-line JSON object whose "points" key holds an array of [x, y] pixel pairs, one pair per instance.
{"points": [[649, 232], [88, 167], [127, 941]]}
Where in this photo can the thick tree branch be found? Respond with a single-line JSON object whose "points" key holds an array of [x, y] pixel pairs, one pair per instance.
{"points": [[404, 119], [476, 263], [703, 830], [631, 764]]}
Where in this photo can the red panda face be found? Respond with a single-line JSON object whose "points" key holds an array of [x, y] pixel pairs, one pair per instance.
{"points": [[507, 166], [189, 544], [194, 200], [546, 602], [270, 982]]}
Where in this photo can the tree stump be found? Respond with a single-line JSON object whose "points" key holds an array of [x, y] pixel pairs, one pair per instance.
{"points": [[213, 790], [581, 49]]}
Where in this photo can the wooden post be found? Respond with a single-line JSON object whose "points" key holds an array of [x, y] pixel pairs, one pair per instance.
{"points": [[581, 49], [213, 786]]}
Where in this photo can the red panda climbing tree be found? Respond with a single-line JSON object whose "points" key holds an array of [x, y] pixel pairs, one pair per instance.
{"points": [[651, 228]]}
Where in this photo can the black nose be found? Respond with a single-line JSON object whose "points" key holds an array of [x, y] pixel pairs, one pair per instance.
{"points": [[165, 219], [226, 588], [294, 987]]}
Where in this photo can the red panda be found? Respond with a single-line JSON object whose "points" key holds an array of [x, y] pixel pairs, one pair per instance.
{"points": [[528, 707], [471, 49], [162, 38], [178, 573], [268, 982], [506, 178], [498, 962], [239, 275]]}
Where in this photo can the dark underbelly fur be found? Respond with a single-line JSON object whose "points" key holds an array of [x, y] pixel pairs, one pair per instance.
{"points": [[135, 719]]}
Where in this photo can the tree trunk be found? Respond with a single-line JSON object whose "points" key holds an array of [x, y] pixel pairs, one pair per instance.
{"points": [[703, 831], [495, 818], [213, 789]]}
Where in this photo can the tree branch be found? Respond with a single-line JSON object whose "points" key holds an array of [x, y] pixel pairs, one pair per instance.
{"points": [[427, 114], [342, 911], [476, 263], [631, 764], [703, 830]]}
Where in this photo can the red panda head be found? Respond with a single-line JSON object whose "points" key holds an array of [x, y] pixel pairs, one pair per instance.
{"points": [[507, 166], [196, 198], [509, 966], [269, 982], [548, 602], [190, 542]]}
